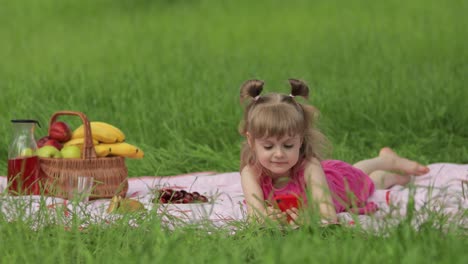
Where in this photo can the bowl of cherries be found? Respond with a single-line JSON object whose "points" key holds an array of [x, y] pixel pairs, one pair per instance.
{"points": [[183, 204], [172, 196]]}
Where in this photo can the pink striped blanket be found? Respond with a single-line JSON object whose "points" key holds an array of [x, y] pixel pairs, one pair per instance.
{"points": [[443, 190]]}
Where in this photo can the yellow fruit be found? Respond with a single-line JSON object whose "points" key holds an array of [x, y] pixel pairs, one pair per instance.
{"points": [[99, 133], [119, 134], [124, 205], [130, 206], [102, 150], [124, 149], [138, 155], [114, 204], [77, 142]]}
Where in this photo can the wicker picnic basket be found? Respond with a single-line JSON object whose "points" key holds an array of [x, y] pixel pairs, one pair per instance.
{"points": [[109, 173]]}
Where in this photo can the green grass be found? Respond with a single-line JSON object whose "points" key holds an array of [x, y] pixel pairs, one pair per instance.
{"points": [[383, 73]]}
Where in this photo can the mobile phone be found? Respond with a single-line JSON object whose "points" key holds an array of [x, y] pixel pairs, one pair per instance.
{"points": [[287, 201]]}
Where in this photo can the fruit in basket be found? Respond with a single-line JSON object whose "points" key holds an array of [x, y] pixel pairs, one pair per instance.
{"points": [[102, 150], [124, 205], [71, 152], [60, 131], [47, 141], [120, 135], [108, 140], [102, 132], [122, 149], [48, 151], [41, 141], [79, 142]]}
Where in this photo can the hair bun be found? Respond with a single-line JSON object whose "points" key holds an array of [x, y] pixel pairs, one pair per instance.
{"points": [[299, 88], [251, 88]]}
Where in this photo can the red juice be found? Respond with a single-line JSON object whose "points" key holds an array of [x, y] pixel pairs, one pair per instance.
{"points": [[23, 176]]}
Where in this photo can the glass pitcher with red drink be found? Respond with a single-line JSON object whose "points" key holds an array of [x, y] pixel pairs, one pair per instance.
{"points": [[23, 163]]}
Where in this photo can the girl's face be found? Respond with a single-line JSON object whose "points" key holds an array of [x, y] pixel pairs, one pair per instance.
{"points": [[277, 155]]}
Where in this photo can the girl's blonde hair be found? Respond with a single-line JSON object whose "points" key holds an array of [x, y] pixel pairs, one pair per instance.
{"points": [[278, 115]]}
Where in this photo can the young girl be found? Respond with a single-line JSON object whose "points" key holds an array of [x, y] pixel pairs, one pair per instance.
{"points": [[283, 154]]}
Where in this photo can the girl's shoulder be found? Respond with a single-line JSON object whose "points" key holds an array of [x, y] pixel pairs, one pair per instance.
{"points": [[311, 164], [250, 171], [312, 167]]}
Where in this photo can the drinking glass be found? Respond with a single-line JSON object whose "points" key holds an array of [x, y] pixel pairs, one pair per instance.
{"points": [[80, 188]]}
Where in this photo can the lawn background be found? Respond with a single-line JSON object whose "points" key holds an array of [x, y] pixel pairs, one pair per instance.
{"points": [[383, 73]]}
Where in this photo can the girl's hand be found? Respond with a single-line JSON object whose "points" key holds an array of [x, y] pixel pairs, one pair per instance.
{"points": [[276, 214], [293, 214], [293, 217]]}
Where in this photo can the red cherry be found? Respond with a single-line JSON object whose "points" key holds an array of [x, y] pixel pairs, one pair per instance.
{"points": [[203, 199], [167, 194]]}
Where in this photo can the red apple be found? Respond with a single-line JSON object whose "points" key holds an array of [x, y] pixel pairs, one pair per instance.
{"points": [[60, 131], [54, 143], [41, 141]]}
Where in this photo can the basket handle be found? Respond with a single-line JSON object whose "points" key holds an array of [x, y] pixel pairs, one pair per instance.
{"points": [[88, 147]]}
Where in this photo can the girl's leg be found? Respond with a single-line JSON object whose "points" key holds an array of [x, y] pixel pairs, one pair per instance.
{"points": [[385, 180], [388, 160]]}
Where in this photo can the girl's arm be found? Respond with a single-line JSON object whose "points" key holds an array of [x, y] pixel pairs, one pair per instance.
{"points": [[319, 191], [253, 193]]}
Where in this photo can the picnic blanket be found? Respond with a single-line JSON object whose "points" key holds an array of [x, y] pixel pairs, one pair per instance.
{"points": [[443, 190]]}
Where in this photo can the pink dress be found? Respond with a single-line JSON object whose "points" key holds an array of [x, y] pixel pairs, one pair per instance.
{"points": [[349, 186]]}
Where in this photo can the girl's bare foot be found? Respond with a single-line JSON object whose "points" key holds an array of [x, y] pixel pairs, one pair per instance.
{"points": [[385, 179], [402, 179], [405, 166]]}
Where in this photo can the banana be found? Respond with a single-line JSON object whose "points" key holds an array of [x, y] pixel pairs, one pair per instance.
{"points": [[123, 149], [100, 133], [120, 135], [78, 142], [102, 150], [138, 155], [114, 204]]}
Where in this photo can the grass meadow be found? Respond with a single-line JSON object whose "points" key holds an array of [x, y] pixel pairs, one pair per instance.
{"points": [[383, 73]]}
